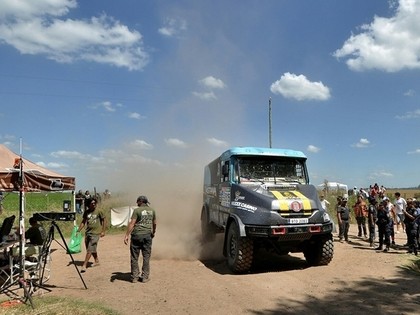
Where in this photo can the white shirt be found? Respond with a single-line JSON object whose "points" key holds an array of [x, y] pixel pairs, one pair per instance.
{"points": [[400, 205]]}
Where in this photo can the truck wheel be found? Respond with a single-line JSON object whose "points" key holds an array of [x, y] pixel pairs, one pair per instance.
{"points": [[239, 250], [320, 253], [208, 232]]}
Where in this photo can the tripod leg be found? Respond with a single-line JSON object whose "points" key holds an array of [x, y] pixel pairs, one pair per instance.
{"points": [[45, 255], [27, 292], [68, 252]]}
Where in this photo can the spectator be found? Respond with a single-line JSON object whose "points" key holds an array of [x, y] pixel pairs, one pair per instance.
{"points": [[87, 199], [372, 216], [361, 213], [36, 233], [400, 206], [343, 217], [107, 194], [79, 201], [324, 202], [383, 228], [382, 191], [94, 221], [142, 228], [389, 207], [410, 216]]}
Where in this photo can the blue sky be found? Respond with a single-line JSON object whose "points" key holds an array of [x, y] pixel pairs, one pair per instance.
{"points": [[130, 94]]}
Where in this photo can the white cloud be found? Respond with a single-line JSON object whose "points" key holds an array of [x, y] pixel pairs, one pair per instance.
{"points": [[68, 155], [313, 149], [217, 142], [206, 96], [410, 115], [416, 151], [212, 83], [174, 142], [135, 116], [209, 83], [380, 174], [108, 106], [141, 144], [37, 28], [173, 27], [23, 9], [363, 143], [410, 92], [389, 44], [298, 87]]}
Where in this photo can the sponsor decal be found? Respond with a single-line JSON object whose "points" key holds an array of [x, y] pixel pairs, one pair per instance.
{"points": [[296, 206], [238, 196], [211, 191], [224, 196], [243, 206]]}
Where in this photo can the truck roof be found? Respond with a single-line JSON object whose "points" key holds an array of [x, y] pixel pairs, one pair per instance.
{"points": [[262, 152]]}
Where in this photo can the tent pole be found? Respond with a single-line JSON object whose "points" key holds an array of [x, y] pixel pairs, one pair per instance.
{"points": [[21, 219]]}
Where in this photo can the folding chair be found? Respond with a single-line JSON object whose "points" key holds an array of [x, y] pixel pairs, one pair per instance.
{"points": [[38, 268], [9, 272]]}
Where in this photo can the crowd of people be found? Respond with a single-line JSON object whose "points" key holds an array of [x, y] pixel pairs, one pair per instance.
{"points": [[83, 199], [375, 214]]}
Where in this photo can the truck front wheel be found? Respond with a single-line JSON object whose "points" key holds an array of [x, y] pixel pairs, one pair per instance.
{"points": [[239, 250], [320, 253]]}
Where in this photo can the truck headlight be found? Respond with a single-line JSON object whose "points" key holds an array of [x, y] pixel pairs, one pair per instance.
{"points": [[326, 217], [275, 204]]}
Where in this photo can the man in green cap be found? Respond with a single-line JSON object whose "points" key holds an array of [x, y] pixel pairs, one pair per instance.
{"points": [[142, 228]]}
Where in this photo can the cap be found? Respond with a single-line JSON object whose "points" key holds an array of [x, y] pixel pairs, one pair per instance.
{"points": [[143, 199], [385, 199]]}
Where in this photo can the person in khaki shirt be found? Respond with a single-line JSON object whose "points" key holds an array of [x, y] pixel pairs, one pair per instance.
{"points": [[361, 212]]}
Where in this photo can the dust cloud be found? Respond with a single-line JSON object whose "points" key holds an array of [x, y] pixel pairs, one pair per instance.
{"points": [[175, 192]]}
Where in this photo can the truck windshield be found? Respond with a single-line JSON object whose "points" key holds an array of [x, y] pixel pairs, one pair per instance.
{"points": [[271, 169]]}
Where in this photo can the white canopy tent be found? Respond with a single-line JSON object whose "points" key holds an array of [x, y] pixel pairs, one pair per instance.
{"points": [[334, 186]]}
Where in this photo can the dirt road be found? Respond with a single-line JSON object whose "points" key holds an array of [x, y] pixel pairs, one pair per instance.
{"points": [[359, 280]]}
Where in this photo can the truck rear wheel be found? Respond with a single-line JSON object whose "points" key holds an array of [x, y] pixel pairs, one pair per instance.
{"points": [[320, 253], [239, 250]]}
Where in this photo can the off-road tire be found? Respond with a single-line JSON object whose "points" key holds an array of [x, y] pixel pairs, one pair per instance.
{"points": [[208, 230], [320, 253], [240, 250]]}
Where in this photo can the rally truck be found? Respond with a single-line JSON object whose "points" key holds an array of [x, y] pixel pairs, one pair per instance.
{"points": [[261, 198]]}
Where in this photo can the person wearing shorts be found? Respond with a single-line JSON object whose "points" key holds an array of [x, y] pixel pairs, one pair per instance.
{"points": [[94, 221]]}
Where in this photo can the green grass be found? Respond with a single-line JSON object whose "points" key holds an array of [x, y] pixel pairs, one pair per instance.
{"points": [[53, 202]]}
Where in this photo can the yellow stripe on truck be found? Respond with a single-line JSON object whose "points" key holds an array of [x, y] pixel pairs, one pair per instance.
{"points": [[306, 202], [284, 205], [285, 199]]}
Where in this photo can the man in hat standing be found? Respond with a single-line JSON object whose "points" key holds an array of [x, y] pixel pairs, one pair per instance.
{"points": [[142, 228], [343, 218]]}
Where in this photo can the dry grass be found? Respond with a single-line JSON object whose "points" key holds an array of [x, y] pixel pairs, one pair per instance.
{"points": [[55, 306]]}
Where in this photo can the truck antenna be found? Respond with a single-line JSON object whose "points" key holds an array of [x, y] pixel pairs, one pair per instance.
{"points": [[269, 122]]}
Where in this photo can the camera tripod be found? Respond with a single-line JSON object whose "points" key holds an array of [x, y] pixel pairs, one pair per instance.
{"points": [[34, 278], [45, 255]]}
